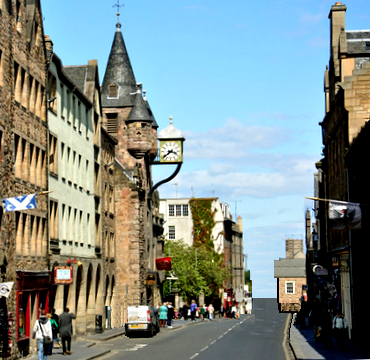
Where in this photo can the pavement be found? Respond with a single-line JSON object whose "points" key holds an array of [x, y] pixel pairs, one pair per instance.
{"points": [[84, 348], [304, 346]]}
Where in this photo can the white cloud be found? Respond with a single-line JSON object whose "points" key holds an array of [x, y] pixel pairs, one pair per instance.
{"points": [[232, 141]]}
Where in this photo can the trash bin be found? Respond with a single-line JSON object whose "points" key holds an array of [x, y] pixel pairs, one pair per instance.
{"points": [[108, 312], [98, 324]]}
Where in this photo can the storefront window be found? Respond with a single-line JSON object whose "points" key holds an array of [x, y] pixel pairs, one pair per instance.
{"points": [[22, 312]]}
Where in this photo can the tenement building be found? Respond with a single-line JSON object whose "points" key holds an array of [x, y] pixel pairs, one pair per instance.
{"points": [[76, 241], [23, 168], [341, 252]]}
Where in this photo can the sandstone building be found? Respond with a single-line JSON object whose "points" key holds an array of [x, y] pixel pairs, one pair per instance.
{"points": [[128, 118], [291, 276], [23, 164], [347, 89]]}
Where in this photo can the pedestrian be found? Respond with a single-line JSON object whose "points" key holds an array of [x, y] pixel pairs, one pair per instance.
{"points": [[222, 311], [202, 311], [193, 310], [340, 329], [211, 310], [42, 332], [326, 326], [162, 315], [170, 314], [185, 310], [54, 327], [233, 311], [55, 317], [65, 330]]}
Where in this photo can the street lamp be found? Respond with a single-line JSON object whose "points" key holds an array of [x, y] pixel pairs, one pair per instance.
{"points": [[170, 278]]}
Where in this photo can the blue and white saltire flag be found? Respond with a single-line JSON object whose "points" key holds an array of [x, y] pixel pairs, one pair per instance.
{"points": [[23, 202]]}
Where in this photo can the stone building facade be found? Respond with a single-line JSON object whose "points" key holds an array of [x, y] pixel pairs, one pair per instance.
{"points": [[112, 304], [128, 119], [346, 87], [23, 165], [290, 273], [74, 114]]}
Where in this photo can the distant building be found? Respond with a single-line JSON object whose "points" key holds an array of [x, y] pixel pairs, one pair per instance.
{"points": [[227, 235], [291, 277]]}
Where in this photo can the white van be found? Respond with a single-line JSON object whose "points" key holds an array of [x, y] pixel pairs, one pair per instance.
{"points": [[142, 318]]}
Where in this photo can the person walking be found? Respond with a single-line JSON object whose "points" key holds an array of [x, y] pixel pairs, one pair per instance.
{"points": [[340, 329], [185, 310], [211, 310], [170, 314], [65, 330], [193, 310], [42, 331], [222, 311], [55, 317], [54, 327], [162, 315]]}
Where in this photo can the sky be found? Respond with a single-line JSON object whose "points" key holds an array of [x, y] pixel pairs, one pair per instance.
{"points": [[243, 81]]}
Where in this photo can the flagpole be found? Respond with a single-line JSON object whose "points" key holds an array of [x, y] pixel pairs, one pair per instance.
{"points": [[331, 200], [44, 192]]}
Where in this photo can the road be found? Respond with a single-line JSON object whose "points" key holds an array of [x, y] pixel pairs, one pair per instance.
{"points": [[256, 336]]}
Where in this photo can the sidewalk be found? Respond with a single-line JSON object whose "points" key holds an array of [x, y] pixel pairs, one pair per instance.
{"points": [[305, 347]]}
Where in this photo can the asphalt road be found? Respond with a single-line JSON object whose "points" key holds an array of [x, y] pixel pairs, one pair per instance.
{"points": [[256, 336]]}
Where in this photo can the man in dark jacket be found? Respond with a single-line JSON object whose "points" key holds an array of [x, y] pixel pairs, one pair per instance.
{"points": [[65, 330]]}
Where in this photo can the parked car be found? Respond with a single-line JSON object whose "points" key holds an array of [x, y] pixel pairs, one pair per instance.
{"points": [[142, 319]]}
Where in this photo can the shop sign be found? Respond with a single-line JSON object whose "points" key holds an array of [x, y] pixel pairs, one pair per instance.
{"points": [[320, 271], [63, 275]]}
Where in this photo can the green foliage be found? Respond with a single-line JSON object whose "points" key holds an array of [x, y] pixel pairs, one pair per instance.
{"points": [[198, 269], [203, 222]]}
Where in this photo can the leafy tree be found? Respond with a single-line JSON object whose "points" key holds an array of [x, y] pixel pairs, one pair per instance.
{"points": [[198, 269]]}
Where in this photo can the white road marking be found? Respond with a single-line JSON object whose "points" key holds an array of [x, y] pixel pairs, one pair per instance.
{"points": [[213, 342], [194, 356], [205, 348]]}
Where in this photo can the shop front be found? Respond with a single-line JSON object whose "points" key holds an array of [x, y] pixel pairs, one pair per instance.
{"points": [[33, 291]]}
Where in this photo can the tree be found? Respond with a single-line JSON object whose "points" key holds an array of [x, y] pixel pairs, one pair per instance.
{"points": [[198, 269]]}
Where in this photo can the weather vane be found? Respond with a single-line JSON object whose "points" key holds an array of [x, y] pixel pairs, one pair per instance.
{"points": [[118, 6]]}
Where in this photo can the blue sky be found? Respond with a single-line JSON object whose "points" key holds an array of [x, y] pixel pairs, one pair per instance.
{"points": [[243, 80]]}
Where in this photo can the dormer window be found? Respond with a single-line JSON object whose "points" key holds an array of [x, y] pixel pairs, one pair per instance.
{"points": [[113, 90]]}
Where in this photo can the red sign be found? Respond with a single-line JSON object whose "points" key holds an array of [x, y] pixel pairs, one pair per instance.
{"points": [[164, 263], [63, 275]]}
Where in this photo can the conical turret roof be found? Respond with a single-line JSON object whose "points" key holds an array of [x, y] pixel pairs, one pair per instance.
{"points": [[118, 73], [140, 111]]}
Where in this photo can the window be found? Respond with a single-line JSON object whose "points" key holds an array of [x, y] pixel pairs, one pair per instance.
{"points": [[289, 287], [185, 210], [112, 90], [112, 123], [171, 233], [171, 210], [178, 210]]}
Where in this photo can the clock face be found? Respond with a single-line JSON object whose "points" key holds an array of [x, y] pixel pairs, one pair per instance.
{"points": [[170, 151]]}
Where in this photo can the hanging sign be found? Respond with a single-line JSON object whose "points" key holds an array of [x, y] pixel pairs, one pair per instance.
{"points": [[63, 275]]}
